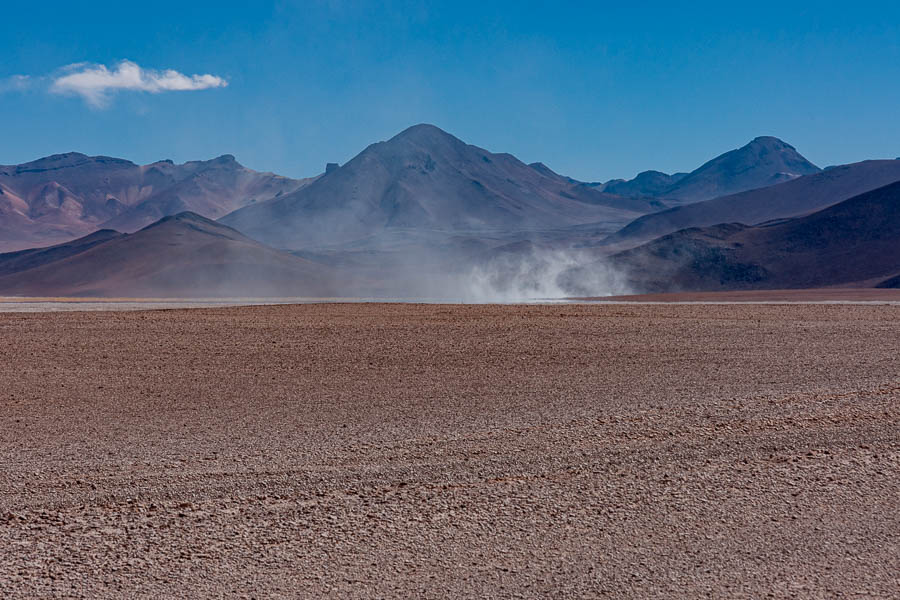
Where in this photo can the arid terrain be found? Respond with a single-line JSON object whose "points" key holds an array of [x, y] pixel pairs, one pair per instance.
{"points": [[432, 451], [812, 295]]}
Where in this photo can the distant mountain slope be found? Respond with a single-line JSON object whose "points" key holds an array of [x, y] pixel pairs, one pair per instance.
{"points": [[791, 199], [426, 179], [763, 162], [545, 170], [66, 195], [185, 255], [648, 183], [23, 260], [854, 242]]}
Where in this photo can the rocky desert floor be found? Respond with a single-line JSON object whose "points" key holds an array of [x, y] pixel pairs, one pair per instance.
{"points": [[436, 451], [805, 296]]}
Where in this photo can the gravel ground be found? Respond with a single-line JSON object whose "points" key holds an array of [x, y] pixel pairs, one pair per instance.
{"points": [[431, 451], [813, 295]]}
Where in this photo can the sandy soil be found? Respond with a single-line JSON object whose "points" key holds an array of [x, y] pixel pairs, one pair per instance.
{"points": [[834, 295], [70, 303], [436, 451]]}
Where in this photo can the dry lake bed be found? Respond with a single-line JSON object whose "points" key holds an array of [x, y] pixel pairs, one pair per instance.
{"points": [[431, 451]]}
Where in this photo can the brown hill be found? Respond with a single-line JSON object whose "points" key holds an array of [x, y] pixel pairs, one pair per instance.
{"points": [[67, 195], [185, 255], [426, 179], [855, 242]]}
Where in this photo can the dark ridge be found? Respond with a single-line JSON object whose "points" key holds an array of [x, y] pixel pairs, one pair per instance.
{"points": [[189, 218], [854, 242], [892, 283], [784, 200]]}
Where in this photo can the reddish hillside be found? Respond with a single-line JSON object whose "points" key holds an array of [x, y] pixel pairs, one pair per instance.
{"points": [[68, 195], [185, 255]]}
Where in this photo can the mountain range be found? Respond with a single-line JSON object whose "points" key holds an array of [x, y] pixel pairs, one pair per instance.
{"points": [[763, 162], [64, 196], [787, 200], [426, 179], [417, 214], [646, 183], [853, 243]]}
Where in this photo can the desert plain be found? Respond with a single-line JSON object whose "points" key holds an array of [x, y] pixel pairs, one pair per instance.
{"points": [[435, 451]]}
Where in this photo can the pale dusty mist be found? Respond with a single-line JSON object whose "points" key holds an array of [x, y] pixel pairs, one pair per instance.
{"points": [[540, 274]]}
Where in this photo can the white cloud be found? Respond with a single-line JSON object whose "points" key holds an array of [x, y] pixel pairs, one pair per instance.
{"points": [[96, 83], [16, 83]]}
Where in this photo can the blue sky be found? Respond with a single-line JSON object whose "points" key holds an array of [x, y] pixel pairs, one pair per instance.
{"points": [[596, 91]]}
